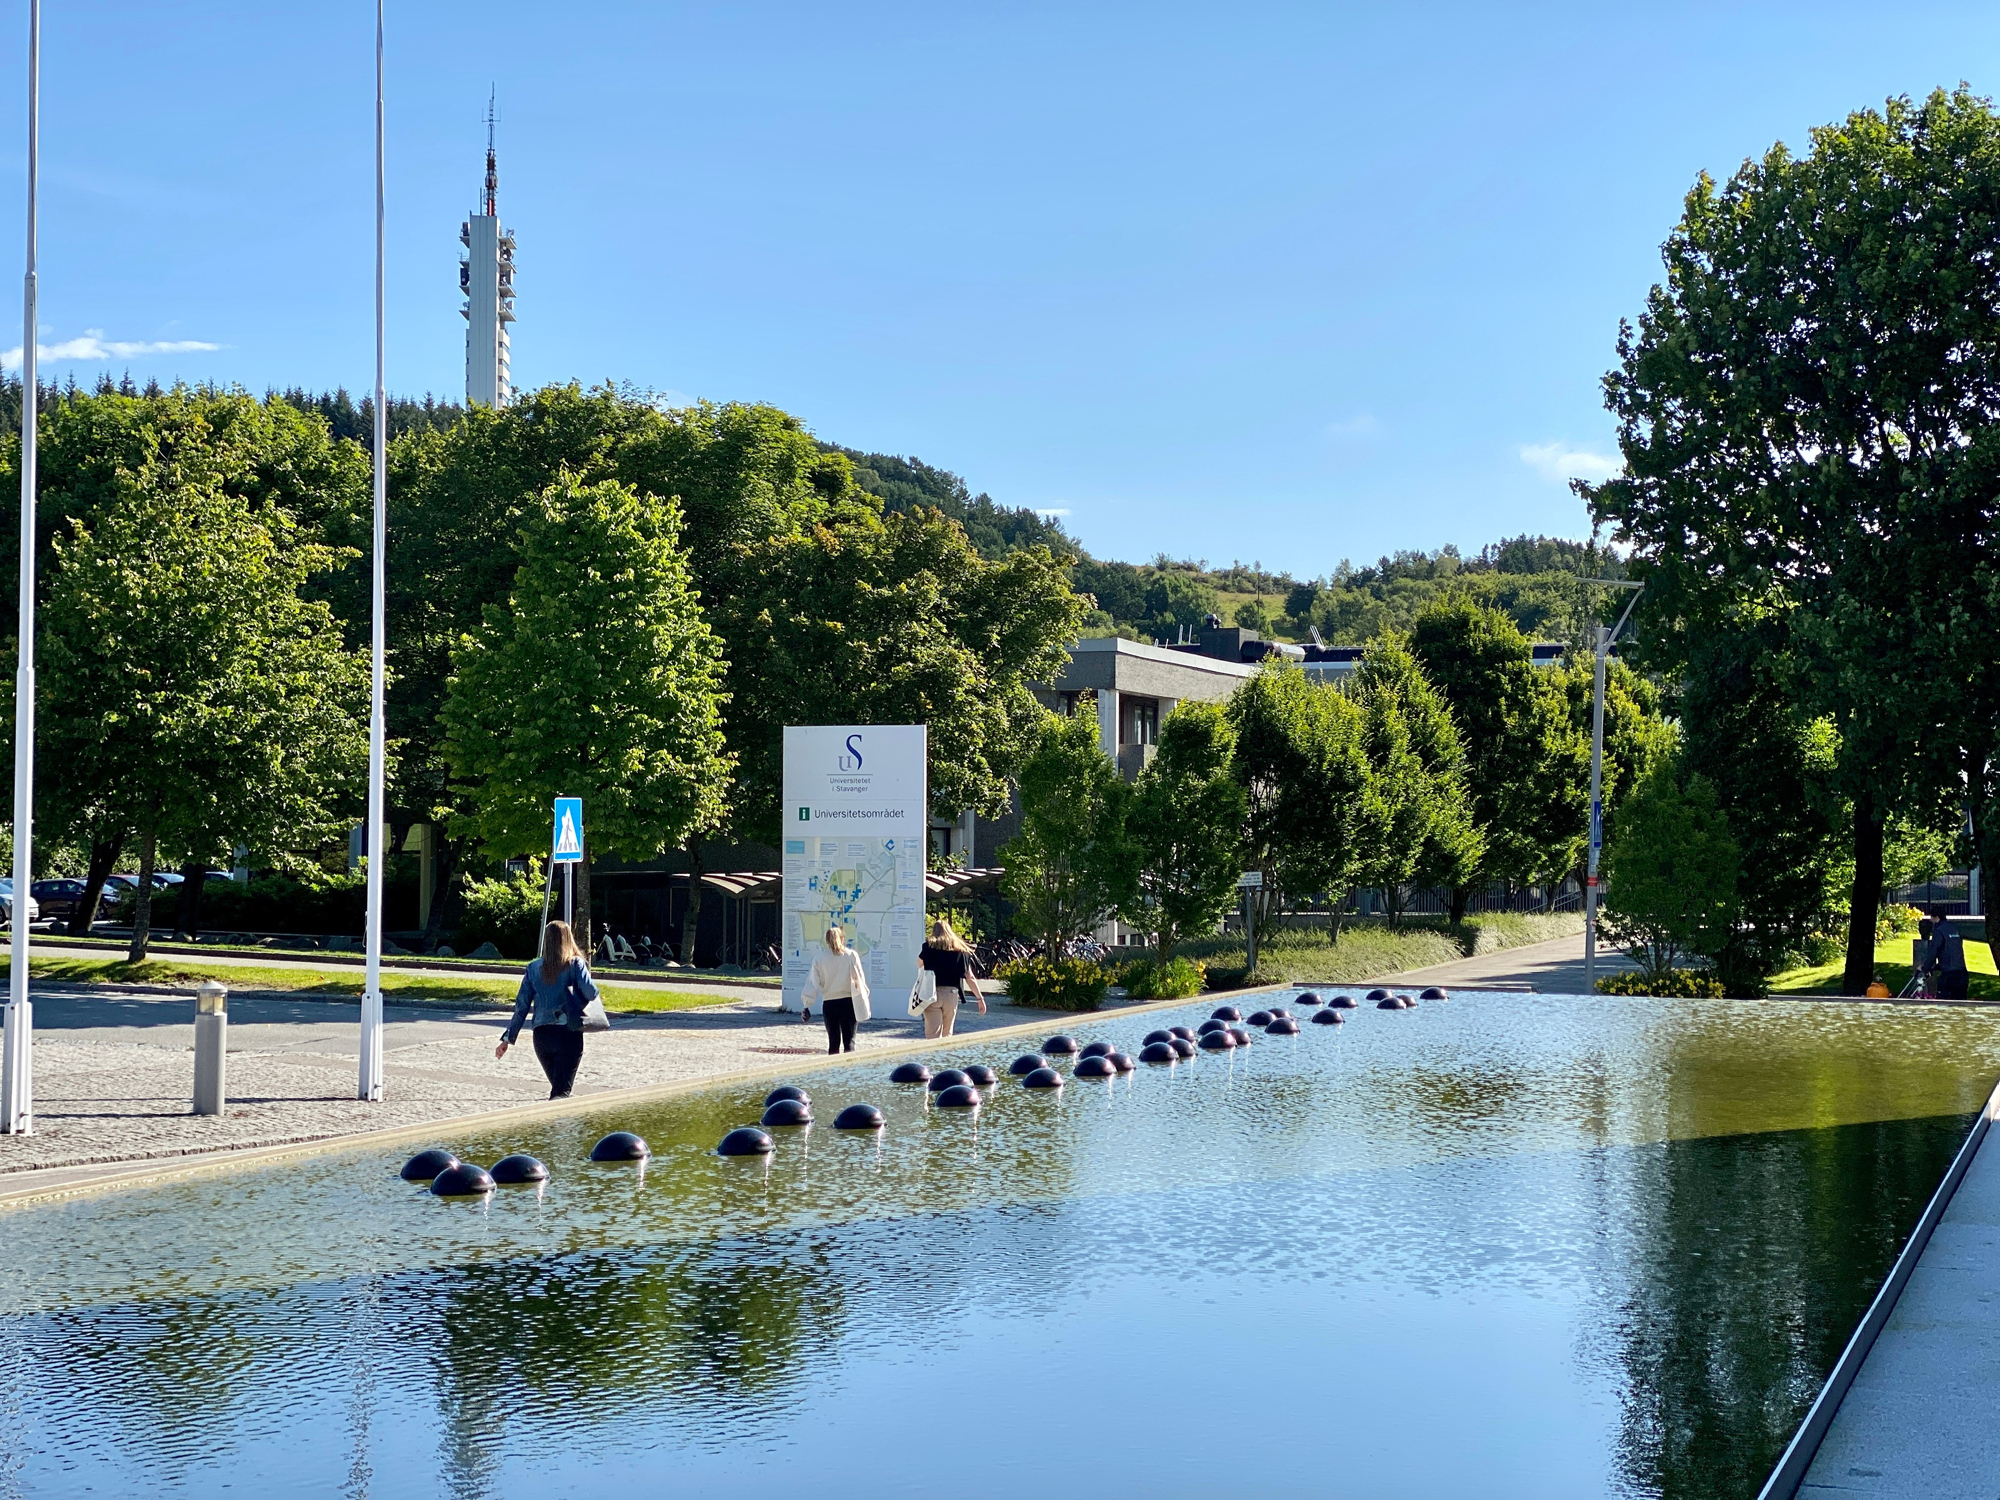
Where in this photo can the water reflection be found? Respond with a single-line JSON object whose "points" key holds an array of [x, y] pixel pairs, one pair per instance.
{"points": [[1738, 1267], [1650, 1228]]}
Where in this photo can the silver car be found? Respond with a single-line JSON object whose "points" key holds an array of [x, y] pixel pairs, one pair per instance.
{"points": [[7, 904]]}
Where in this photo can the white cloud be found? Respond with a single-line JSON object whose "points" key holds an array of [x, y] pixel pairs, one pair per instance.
{"points": [[1058, 511], [1558, 461], [95, 346]]}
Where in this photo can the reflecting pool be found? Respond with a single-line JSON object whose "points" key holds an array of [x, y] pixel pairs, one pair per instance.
{"points": [[1502, 1245]]}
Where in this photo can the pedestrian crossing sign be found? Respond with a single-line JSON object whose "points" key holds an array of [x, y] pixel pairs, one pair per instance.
{"points": [[569, 831]]}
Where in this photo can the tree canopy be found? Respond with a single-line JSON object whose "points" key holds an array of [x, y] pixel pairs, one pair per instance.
{"points": [[1807, 415]]}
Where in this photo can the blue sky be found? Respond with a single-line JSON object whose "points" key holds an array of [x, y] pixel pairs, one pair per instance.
{"points": [[1284, 284]]}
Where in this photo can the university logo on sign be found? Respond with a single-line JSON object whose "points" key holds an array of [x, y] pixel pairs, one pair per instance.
{"points": [[851, 761]]}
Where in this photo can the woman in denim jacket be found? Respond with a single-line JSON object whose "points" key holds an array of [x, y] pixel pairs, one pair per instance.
{"points": [[558, 986]]}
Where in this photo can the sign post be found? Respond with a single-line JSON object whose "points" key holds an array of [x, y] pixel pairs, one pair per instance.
{"points": [[857, 833], [1604, 639], [1250, 882], [17, 1056], [565, 849]]}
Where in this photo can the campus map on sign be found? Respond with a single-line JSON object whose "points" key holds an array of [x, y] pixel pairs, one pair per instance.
{"points": [[856, 833], [870, 888]]}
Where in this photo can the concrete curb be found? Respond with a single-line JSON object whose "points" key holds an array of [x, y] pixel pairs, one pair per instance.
{"points": [[151, 1171]]}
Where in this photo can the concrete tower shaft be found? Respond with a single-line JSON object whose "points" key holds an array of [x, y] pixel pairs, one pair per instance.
{"points": [[486, 277]]}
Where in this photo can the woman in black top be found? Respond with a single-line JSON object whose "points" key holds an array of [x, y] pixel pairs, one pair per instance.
{"points": [[950, 962]]}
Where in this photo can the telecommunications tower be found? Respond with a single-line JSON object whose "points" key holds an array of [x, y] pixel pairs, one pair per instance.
{"points": [[486, 276]]}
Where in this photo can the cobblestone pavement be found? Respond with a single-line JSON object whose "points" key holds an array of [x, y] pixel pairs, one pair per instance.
{"points": [[114, 1074]]}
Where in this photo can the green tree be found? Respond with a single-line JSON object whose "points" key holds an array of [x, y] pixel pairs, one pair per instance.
{"points": [[598, 679], [1177, 599], [273, 459], [1770, 760], [1311, 802], [1072, 865], [1806, 416], [1186, 822], [198, 698], [1433, 839], [1527, 763], [893, 620], [1671, 873]]}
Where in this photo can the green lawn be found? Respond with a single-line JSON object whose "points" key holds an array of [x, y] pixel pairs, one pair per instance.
{"points": [[329, 983], [1892, 966]]}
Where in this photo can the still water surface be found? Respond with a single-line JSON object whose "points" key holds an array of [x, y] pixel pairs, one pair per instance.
{"points": [[1504, 1245]]}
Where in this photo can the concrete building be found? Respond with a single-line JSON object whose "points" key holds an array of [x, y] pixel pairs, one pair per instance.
{"points": [[486, 276]]}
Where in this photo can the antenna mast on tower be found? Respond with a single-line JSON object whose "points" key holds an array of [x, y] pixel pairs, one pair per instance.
{"points": [[492, 162]]}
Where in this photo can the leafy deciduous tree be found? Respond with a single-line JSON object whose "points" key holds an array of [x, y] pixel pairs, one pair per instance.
{"points": [[598, 679], [1072, 865], [1186, 822], [1671, 872]]}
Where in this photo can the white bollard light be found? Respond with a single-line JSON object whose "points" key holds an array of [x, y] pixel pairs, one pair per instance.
{"points": [[211, 1048]]}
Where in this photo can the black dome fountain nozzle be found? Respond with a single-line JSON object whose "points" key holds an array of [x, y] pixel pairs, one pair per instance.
{"points": [[1182, 1046], [511, 1171], [1095, 1067], [859, 1117], [982, 1075], [1328, 1017], [1043, 1078], [746, 1140], [1027, 1063], [1059, 1046], [1225, 1013], [1218, 1041], [787, 1112], [787, 1091], [426, 1165], [958, 1096], [910, 1072], [620, 1145], [947, 1078], [1159, 1052], [463, 1179], [1282, 1026]]}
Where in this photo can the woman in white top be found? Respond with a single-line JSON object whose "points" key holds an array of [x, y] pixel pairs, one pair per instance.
{"points": [[841, 989]]}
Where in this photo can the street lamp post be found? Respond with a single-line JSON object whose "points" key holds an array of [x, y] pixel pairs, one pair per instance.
{"points": [[1604, 638], [370, 1083], [17, 1060]]}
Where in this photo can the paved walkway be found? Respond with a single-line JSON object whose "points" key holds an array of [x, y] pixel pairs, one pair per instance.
{"points": [[114, 1074], [1551, 968], [1919, 1422]]}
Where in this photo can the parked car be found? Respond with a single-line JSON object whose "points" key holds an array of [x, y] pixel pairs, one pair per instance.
{"points": [[57, 899], [124, 885], [7, 903]]}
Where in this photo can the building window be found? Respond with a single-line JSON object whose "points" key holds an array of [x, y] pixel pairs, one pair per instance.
{"points": [[1138, 721]]}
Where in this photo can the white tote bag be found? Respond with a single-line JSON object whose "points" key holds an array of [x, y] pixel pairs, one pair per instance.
{"points": [[923, 994]]}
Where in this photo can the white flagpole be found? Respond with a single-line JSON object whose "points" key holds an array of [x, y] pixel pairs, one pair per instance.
{"points": [[17, 1065], [378, 856]]}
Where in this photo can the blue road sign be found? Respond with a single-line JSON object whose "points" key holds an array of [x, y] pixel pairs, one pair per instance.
{"points": [[568, 843]]}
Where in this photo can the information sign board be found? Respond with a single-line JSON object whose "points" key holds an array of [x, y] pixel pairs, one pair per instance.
{"points": [[856, 835]]}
